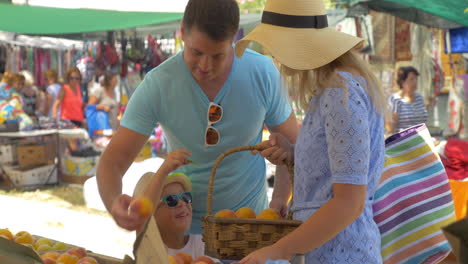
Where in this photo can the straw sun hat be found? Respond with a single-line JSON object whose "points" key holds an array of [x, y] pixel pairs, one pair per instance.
{"points": [[296, 33], [178, 177]]}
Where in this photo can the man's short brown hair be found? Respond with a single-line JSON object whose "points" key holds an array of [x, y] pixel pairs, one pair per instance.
{"points": [[219, 19]]}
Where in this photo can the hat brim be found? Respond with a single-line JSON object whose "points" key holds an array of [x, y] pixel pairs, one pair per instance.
{"points": [[298, 48], [145, 180]]}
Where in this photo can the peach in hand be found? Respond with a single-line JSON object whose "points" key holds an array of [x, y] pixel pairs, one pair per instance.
{"points": [[270, 214], [245, 212], [226, 213], [142, 206]]}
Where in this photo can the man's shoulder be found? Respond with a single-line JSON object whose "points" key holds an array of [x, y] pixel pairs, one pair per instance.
{"points": [[165, 69]]}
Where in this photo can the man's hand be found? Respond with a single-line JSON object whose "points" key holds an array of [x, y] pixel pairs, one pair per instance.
{"points": [[123, 217]]}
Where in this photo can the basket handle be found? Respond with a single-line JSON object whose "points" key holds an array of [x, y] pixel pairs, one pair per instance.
{"points": [[228, 152]]}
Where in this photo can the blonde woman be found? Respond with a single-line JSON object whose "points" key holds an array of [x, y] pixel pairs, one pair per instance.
{"points": [[339, 153]]}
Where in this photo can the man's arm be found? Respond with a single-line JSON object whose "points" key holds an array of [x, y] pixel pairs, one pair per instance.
{"points": [[282, 188], [114, 162]]}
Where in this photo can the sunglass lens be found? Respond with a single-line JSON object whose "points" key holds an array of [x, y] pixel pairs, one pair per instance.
{"points": [[214, 113], [187, 197], [172, 200], [212, 136]]}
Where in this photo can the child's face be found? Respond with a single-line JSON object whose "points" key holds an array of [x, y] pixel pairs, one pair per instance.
{"points": [[176, 219]]}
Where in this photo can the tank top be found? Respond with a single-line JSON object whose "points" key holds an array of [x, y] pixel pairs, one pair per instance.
{"points": [[72, 105]]}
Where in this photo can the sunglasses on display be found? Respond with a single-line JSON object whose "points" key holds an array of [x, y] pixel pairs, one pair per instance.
{"points": [[215, 113], [172, 200]]}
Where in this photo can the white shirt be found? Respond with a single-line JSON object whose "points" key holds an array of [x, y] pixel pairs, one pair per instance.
{"points": [[194, 247]]}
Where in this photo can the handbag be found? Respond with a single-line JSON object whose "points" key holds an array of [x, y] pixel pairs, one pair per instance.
{"points": [[413, 200], [98, 120]]}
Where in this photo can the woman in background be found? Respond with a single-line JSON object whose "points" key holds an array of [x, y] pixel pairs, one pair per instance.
{"points": [[52, 91], [70, 99], [104, 98], [407, 105]]}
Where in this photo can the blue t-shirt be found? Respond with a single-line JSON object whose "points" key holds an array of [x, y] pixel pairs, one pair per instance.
{"points": [[251, 97]]}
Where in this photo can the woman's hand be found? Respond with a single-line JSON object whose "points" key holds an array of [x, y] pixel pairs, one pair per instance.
{"points": [[279, 149], [174, 160], [104, 108], [264, 254]]}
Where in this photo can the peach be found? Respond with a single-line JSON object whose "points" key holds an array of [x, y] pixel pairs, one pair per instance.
{"points": [[66, 258], [6, 233], [43, 247], [60, 246], [175, 260], [226, 213], [269, 213], [49, 261], [245, 212], [77, 251], [24, 237], [203, 260], [51, 254], [142, 206], [87, 260], [43, 241], [185, 257]]}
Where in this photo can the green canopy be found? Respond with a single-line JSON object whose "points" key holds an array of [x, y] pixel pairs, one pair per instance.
{"points": [[443, 14], [58, 21]]}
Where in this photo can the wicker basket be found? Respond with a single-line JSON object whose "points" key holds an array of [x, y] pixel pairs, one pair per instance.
{"points": [[235, 238]]}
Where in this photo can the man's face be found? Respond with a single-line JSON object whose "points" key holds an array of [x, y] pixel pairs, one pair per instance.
{"points": [[206, 59]]}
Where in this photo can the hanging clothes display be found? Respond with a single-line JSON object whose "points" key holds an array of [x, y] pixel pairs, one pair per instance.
{"points": [[422, 51], [402, 40]]}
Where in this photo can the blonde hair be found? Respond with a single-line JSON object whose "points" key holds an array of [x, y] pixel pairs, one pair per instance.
{"points": [[305, 84]]}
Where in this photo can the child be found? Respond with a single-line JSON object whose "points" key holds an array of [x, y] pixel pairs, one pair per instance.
{"points": [[173, 214]]}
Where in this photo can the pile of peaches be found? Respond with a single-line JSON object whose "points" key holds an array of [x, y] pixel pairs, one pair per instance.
{"points": [[184, 258], [246, 212], [50, 249]]}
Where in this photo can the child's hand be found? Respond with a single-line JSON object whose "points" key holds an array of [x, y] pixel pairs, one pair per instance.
{"points": [[279, 149], [174, 160]]}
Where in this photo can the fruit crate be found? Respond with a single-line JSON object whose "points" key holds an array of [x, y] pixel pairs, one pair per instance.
{"points": [[29, 176], [235, 238], [12, 252]]}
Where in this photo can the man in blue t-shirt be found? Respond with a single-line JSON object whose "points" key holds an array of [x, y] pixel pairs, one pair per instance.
{"points": [[207, 101]]}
